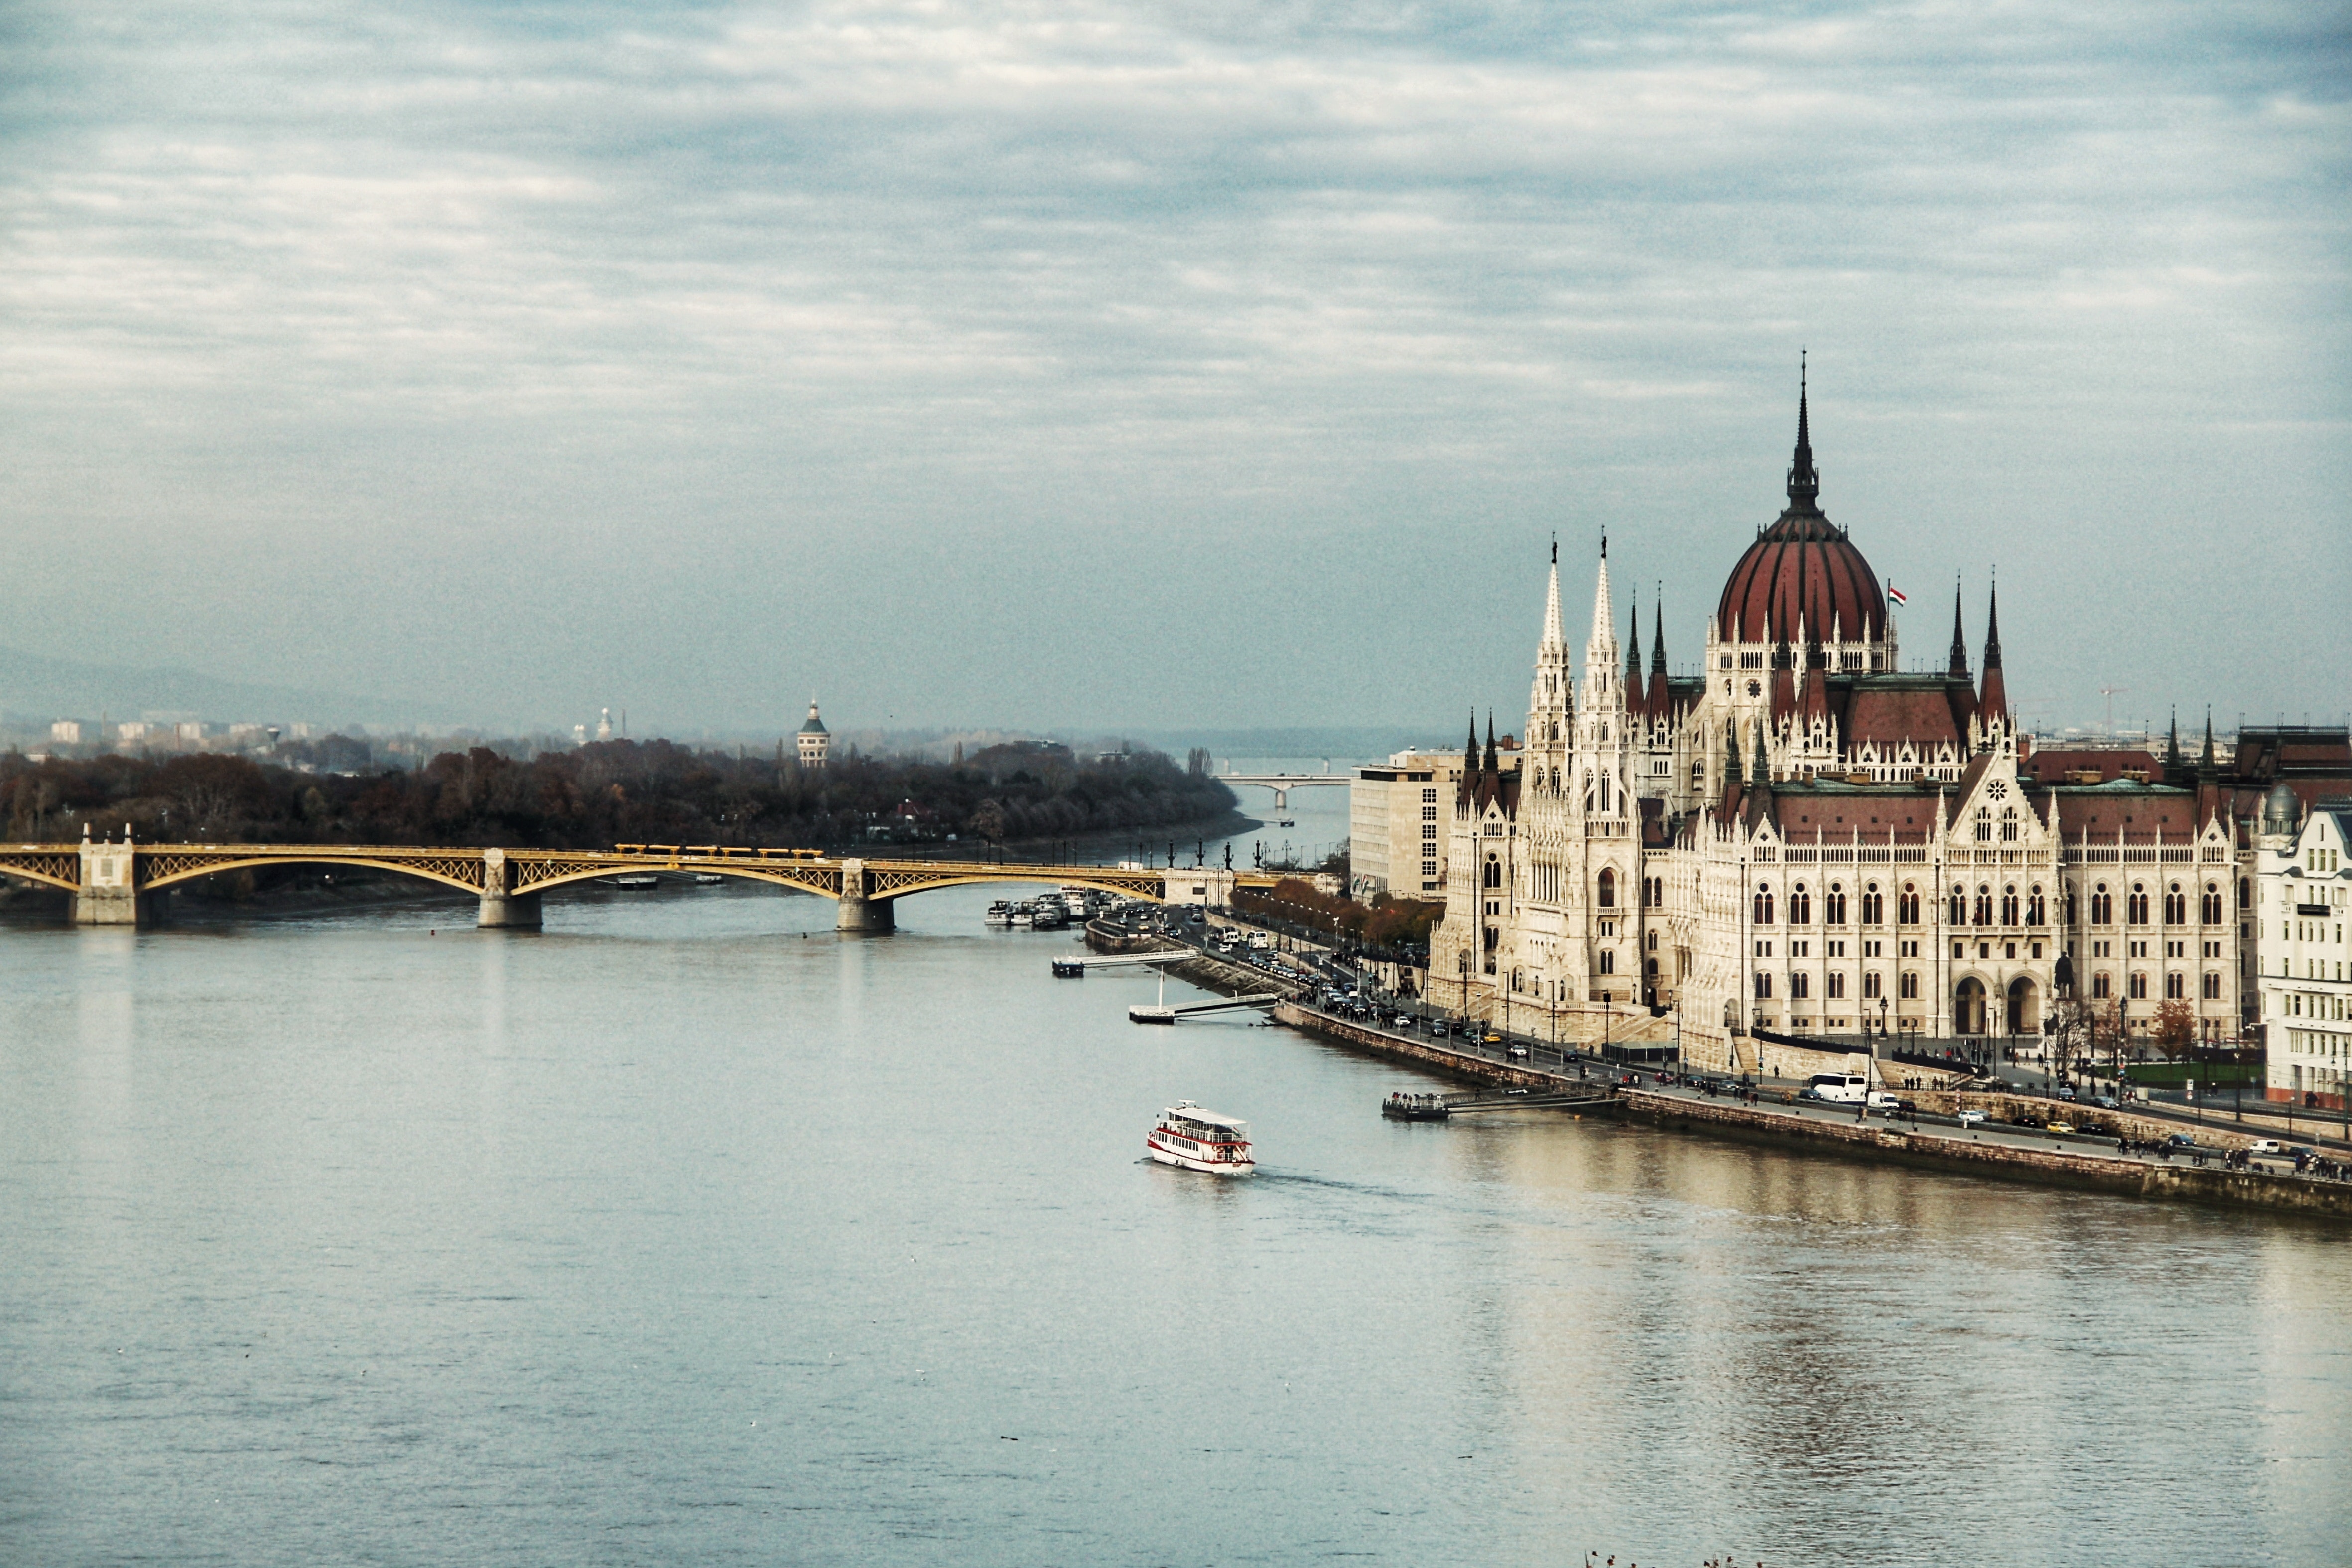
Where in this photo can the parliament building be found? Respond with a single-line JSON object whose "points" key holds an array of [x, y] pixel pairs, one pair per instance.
{"points": [[1805, 839]]}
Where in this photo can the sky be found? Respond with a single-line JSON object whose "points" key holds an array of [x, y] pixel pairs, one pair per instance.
{"points": [[1218, 364]]}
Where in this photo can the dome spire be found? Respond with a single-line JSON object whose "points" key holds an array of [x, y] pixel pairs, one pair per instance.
{"points": [[1804, 484]]}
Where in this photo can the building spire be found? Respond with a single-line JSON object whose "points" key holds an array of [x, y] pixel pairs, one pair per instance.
{"points": [[1634, 651], [2172, 741], [1494, 765], [1732, 782], [2207, 759], [1552, 637], [1960, 664], [1804, 484], [1658, 633], [1992, 630], [1470, 754]]}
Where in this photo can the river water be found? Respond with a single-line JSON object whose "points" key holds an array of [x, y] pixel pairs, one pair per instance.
{"points": [[688, 1231]]}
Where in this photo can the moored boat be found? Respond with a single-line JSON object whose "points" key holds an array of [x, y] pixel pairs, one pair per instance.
{"points": [[999, 915], [1416, 1108], [635, 881], [1198, 1140], [1070, 968]]}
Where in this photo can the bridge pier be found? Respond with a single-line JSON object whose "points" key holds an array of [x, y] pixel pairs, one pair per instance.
{"points": [[503, 909], [869, 917], [860, 911], [508, 911], [109, 894]]}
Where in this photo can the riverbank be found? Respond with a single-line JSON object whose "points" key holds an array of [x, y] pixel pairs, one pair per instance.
{"points": [[2002, 1154]]}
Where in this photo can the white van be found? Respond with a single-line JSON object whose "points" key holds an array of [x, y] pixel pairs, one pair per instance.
{"points": [[1838, 1088]]}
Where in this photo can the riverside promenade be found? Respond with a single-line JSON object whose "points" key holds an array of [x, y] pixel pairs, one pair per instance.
{"points": [[1996, 1150]]}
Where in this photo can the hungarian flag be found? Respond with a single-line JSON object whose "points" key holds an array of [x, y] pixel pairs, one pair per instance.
{"points": [[1896, 594]]}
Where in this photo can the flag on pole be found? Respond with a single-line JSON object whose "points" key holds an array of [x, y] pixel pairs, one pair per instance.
{"points": [[1894, 592]]}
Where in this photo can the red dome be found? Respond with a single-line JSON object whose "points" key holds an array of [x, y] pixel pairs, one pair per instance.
{"points": [[1803, 565]]}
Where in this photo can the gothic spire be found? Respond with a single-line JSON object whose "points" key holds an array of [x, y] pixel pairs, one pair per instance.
{"points": [[1959, 665], [1551, 632], [1493, 766], [1804, 484], [1992, 630], [1470, 753], [2207, 759], [1658, 636], [2172, 742], [1633, 652], [1763, 765], [1731, 779]]}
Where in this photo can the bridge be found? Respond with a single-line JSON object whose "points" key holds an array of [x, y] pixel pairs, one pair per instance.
{"points": [[124, 883], [1283, 783]]}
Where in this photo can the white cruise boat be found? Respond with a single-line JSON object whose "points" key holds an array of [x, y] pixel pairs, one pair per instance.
{"points": [[1201, 1139], [999, 915]]}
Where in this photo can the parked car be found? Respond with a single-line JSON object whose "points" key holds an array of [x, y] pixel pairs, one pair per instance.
{"points": [[1516, 1053], [2265, 1146], [1972, 1118], [2181, 1141]]}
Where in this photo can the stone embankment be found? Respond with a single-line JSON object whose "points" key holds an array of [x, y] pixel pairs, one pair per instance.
{"points": [[1890, 1144], [1402, 1047]]}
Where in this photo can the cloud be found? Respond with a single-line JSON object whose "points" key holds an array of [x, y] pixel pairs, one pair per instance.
{"points": [[1329, 288]]}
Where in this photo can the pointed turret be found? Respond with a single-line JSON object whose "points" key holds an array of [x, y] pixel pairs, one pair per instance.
{"points": [[1552, 636], [2205, 759], [1959, 663], [1660, 699], [2172, 744], [1634, 695], [1763, 767], [1784, 683], [1494, 764], [1732, 781], [1804, 484], [1551, 696], [1993, 702], [1470, 757]]}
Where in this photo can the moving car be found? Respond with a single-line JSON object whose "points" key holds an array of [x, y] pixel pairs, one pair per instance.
{"points": [[2265, 1146], [1972, 1119]]}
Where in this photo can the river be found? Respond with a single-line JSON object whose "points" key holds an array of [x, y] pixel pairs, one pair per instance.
{"points": [[688, 1231]]}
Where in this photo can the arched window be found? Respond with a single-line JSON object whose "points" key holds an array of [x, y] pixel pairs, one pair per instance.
{"points": [[1906, 907], [1959, 906], [1800, 985], [1801, 905], [2175, 905], [2101, 986], [2009, 905], [1984, 904], [2245, 893], [1608, 897], [1984, 824], [2208, 908], [1834, 905], [2033, 906], [2103, 906], [1763, 907], [1874, 906], [2072, 907], [1763, 988], [1494, 872], [2138, 909], [2009, 825]]}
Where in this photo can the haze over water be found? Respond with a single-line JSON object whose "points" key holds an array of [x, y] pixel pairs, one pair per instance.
{"points": [[687, 1232]]}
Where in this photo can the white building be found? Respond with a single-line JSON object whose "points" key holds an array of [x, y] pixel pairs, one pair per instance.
{"points": [[1398, 816], [66, 731], [816, 743], [1800, 838], [2305, 984]]}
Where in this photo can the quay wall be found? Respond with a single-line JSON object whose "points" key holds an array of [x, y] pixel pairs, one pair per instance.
{"points": [[1398, 1047], [1879, 1142]]}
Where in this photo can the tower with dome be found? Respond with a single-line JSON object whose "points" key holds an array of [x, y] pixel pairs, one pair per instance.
{"points": [[815, 742], [1800, 840]]}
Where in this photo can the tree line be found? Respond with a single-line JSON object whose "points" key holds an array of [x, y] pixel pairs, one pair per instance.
{"points": [[607, 793]]}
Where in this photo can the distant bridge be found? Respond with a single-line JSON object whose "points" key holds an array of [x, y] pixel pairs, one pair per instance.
{"points": [[118, 883], [1283, 783]]}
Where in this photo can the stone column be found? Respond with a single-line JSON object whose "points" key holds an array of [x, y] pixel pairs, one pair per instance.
{"points": [[858, 912], [503, 911], [109, 894]]}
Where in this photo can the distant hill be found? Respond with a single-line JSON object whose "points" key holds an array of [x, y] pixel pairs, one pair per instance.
{"points": [[35, 690]]}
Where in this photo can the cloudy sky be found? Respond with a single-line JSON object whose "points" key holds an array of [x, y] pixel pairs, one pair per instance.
{"points": [[1226, 363]]}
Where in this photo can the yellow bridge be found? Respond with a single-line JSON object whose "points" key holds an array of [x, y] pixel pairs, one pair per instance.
{"points": [[120, 883]]}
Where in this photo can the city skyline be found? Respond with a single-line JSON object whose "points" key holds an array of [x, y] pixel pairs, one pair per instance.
{"points": [[1174, 369]]}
